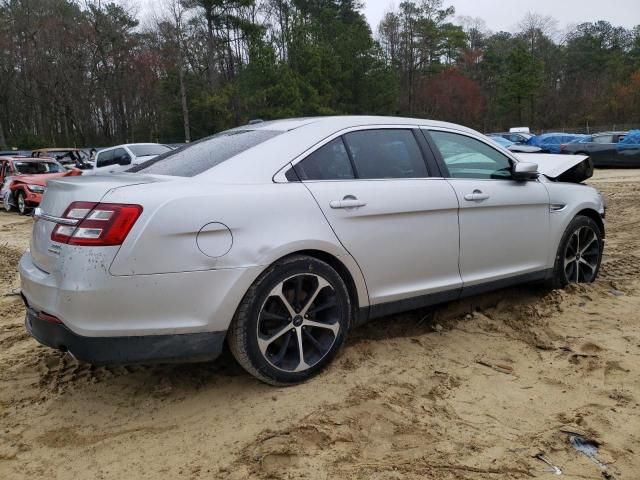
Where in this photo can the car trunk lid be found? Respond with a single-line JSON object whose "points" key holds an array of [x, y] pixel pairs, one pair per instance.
{"points": [[60, 193]]}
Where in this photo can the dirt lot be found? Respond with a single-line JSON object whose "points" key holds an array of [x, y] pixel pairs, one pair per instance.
{"points": [[407, 398]]}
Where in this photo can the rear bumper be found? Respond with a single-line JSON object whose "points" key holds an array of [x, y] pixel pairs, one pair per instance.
{"points": [[187, 347], [92, 303]]}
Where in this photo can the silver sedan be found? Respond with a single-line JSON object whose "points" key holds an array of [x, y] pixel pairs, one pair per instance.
{"points": [[280, 237]]}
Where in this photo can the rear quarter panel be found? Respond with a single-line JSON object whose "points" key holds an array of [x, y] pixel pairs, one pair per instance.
{"points": [[266, 221]]}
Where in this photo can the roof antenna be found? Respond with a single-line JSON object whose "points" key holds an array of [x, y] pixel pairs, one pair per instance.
{"points": [[255, 121]]}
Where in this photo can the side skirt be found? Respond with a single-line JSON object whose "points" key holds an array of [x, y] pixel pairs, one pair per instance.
{"points": [[404, 305]]}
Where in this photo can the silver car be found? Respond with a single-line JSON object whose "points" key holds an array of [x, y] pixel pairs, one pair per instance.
{"points": [[279, 237]]}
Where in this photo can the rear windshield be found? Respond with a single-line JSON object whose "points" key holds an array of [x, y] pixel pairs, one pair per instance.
{"points": [[144, 150], [35, 168], [204, 154]]}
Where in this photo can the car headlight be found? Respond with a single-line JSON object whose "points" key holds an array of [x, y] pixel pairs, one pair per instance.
{"points": [[36, 188]]}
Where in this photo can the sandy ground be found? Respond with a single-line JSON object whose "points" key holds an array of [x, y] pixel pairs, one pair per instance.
{"points": [[407, 398]]}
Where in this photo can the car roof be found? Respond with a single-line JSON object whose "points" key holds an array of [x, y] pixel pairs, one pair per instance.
{"points": [[131, 145], [58, 149], [346, 121], [27, 159]]}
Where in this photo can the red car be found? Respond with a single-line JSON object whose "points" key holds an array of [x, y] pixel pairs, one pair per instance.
{"points": [[23, 180]]}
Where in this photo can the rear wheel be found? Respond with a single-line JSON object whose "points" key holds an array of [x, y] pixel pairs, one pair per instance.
{"points": [[292, 322], [579, 254]]}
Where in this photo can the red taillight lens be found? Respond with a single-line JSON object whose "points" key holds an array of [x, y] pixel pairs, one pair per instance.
{"points": [[100, 224], [562, 147]]}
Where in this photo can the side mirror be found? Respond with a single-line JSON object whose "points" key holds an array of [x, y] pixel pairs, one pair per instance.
{"points": [[124, 160], [524, 171]]}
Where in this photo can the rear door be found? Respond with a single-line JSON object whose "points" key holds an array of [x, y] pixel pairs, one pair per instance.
{"points": [[399, 223], [602, 150], [504, 224]]}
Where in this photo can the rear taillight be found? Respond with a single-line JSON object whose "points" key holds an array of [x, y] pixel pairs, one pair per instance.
{"points": [[99, 224], [562, 147]]}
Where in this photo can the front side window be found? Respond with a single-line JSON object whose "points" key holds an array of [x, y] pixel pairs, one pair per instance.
{"points": [[329, 162], [36, 168], [466, 157], [603, 139], [385, 153]]}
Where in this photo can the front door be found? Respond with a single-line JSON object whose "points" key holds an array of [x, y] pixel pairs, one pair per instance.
{"points": [[399, 224], [504, 224]]}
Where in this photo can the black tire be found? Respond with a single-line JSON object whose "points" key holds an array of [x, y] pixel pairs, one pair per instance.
{"points": [[563, 274], [264, 314], [21, 204]]}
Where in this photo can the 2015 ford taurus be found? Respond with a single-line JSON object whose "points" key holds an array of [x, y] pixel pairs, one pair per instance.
{"points": [[279, 237]]}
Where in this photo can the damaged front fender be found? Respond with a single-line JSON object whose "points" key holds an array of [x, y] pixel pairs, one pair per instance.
{"points": [[561, 168]]}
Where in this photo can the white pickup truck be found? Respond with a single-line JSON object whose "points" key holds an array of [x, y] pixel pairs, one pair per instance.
{"points": [[122, 157]]}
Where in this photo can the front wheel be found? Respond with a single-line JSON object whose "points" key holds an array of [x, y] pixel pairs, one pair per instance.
{"points": [[22, 204], [292, 321], [579, 254]]}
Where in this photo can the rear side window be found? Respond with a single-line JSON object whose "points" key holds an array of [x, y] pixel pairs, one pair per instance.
{"points": [[200, 156], [386, 153], [330, 162]]}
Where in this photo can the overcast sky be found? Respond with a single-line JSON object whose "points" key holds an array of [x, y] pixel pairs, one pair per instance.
{"points": [[505, 14]]}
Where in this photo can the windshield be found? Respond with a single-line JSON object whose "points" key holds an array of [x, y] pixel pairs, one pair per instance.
{"points": [[144, 150], [502, 141], [36, 168], [204, 154], [68, 156]]}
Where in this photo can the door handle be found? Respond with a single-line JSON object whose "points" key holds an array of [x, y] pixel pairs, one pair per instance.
{"points": [[476, 196], [349, 201]]}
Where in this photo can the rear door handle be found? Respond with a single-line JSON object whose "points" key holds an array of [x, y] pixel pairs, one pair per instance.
{"points": [[476, 196], [349, 201]]}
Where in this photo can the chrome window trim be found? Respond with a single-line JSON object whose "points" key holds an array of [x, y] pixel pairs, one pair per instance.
{"points": [[39, 214]]}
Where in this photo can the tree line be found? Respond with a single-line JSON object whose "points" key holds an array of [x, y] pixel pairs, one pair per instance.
{"points": [[81, 73]]}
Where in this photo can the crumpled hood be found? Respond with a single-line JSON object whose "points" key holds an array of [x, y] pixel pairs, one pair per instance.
{"points": [[566, 168], [41, 178]]}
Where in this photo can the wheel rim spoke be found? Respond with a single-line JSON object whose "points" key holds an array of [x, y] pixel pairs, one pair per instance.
{"points": [[277, 292], [334, 327], [283, 348], [589, 242], [263, 344], [322, 283], [306, 333], [302, 365]]}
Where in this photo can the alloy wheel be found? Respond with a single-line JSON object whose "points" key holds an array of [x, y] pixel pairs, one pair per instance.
{"points": [[582, 255], [299, 322], [22, 207]]}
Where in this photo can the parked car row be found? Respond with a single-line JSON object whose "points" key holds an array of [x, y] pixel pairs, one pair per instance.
{"points": [[23, 180], [607, 149], [24, 174]]}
